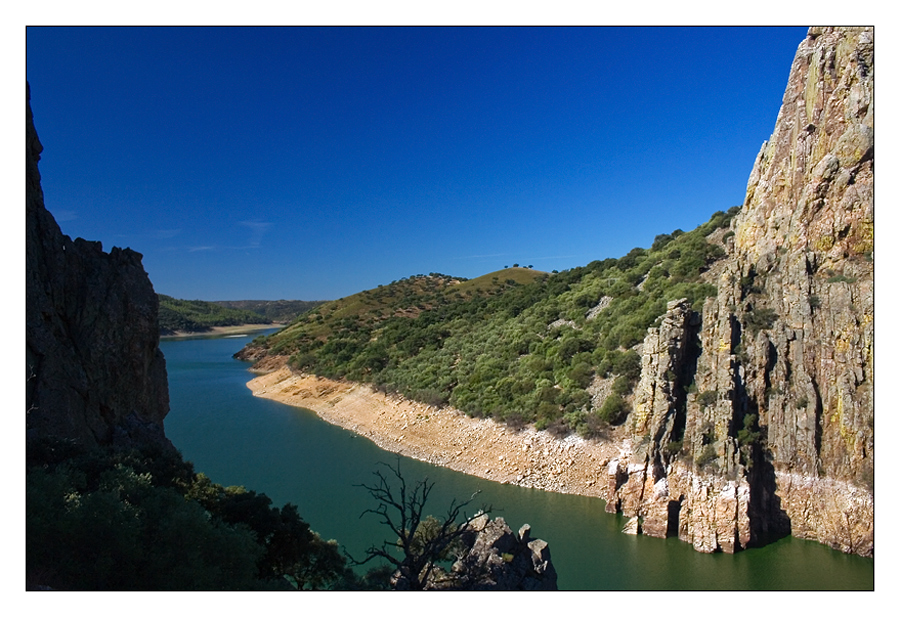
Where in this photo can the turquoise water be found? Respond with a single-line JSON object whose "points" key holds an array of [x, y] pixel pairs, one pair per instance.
{"points": [[292, 456]]}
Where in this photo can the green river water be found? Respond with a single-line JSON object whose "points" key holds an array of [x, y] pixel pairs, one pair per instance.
{"points": [[293, 456]]}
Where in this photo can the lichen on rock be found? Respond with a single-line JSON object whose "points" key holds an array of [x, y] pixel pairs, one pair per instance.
{"points": [[769, 429]]}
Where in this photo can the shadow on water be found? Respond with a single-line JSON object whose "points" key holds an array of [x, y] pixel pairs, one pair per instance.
{"points": [[293, 456]]}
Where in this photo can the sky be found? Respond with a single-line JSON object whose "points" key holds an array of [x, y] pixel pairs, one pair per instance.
{"points": [[312, 163]]}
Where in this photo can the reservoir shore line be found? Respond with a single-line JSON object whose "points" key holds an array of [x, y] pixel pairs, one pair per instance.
{"points": [[245, 329], [448, 437]]}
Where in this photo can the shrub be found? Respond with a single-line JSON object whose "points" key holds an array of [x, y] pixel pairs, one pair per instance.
{"points": [[613, 410], [747, 436], [760, 319], [558, 428], [621, 386], [515, 420], [628, 365], [674, 447], [840, 278], [707, 456], [707, 398]]}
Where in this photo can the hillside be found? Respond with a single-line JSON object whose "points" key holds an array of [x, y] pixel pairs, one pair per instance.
{"points": [[276, 311], [517, 345], [200, 316]]}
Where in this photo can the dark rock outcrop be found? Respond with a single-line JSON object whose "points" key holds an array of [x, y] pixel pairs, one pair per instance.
{"points": [[769, 429], [495, 558], [94, 371]]}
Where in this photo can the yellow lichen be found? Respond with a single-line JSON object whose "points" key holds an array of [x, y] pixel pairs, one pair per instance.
{"points": [[864, 238], [824, 243]]}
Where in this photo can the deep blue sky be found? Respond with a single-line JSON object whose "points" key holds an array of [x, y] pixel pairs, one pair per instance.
{"points": [[307, 163]]}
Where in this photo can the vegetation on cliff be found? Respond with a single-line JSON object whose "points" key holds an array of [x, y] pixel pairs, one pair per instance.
{"points": [[516, 345]]}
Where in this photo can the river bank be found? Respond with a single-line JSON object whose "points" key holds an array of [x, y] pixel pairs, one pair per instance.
{"points": [[223, 331], [448, 437]]}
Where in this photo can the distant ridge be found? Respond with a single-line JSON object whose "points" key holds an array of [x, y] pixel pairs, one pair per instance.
{"points": [[201, 316]]}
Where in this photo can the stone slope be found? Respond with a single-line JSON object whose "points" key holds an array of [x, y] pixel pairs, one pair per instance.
{"points": [[95, 374], [760, 421]]}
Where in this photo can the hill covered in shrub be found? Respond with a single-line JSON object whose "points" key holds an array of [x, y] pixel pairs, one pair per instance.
{"points": [[517, 345]]}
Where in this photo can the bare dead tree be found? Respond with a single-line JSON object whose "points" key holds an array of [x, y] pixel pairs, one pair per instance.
{"points": [[422, 540]]}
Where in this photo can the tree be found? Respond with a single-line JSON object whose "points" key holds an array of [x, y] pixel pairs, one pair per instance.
{"points": [[422, 541]]}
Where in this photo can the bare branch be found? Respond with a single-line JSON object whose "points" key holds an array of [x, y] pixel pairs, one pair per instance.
{"points": [[401, 509]]}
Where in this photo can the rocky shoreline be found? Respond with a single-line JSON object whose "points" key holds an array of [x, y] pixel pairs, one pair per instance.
{"points": [[536, 459], [448, 437]]}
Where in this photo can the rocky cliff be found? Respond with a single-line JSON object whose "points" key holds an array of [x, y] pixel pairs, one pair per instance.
{"points": [[756, 418], [95, 374], [493, 558]]}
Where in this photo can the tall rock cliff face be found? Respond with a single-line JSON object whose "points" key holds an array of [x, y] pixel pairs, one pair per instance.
{"points": [[95, 373], [757, 417]]}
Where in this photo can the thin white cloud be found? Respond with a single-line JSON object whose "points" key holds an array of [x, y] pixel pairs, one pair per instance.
{"points": [[257, 231], [165, 234], [194, 249]]}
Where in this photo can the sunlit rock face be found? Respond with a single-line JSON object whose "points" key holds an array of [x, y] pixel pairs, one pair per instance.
{"points": [[757, 417], [94, 371]]}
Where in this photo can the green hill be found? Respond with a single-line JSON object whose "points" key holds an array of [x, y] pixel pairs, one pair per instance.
{"points": [[517, 345], [200, 316], [277, 311]]}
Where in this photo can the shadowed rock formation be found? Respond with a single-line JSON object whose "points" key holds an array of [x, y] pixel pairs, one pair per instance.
{"points": [[494, 558], [95, 374]]}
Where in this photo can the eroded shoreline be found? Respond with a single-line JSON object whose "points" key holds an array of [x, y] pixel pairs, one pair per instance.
{"points": [[447, 437], [218, 331]]}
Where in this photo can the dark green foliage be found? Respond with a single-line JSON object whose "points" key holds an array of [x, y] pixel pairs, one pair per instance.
{"points": [[747, 436], [759, 319], [613, 410], [814, 302], [126, 534], [143, 520], [660, 241], [486, 346], [621, 386], [707, 398], [280, 311]]}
